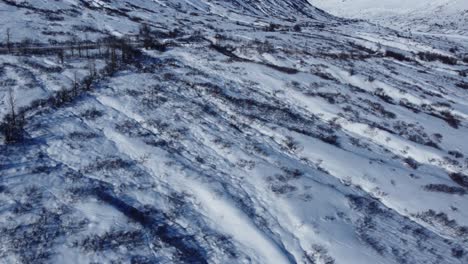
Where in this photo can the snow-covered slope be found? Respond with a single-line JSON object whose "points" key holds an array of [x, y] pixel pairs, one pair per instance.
{"points": [[266, 132], [429, 16]]}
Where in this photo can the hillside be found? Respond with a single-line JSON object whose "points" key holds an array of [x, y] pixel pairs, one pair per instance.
{"points": [[206, 131]]}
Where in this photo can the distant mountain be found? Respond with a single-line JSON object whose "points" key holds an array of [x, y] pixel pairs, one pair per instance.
{"points": [[430, 16]]}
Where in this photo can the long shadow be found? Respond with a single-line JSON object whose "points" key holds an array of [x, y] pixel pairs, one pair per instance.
{"points": [[156, 223]]}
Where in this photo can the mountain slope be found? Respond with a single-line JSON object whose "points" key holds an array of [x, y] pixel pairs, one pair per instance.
{"points": [[260, 134]]}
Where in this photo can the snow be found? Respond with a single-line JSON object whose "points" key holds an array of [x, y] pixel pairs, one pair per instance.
{"points": [[193, 155], [441, 17]]}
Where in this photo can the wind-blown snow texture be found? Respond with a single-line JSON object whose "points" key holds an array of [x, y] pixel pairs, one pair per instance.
{"points": [[343, 142]]}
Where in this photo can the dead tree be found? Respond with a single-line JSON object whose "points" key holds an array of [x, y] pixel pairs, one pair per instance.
{"points": [[87, 44], [98, 45], [12, 126], [70, 43], [112, 44], [112, 65], [128, 52], [8, 40], [92, 68], [12, 103], [76, 43], [25, 46], [146, 35], [61, 56], [75, 85]]}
